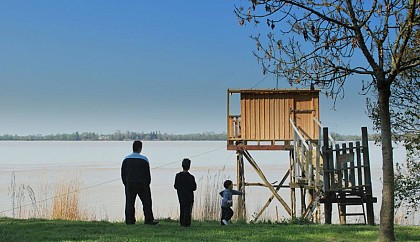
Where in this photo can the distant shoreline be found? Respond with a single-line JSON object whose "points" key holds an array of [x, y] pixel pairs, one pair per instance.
{"points": [[118, 136], [1, 140], [151, 136]]}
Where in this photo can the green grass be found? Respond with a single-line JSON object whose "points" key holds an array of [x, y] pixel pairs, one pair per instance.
{"points": [[59, 230]]}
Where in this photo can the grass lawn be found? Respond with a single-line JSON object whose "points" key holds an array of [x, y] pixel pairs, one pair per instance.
{"points": [[58, 230]]}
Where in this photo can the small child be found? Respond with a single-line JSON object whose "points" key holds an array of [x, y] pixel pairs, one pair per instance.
{"points": [[227, 202], [185, 186]]}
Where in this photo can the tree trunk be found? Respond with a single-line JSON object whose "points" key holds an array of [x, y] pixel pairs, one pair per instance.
{"points": [[386, 231]]}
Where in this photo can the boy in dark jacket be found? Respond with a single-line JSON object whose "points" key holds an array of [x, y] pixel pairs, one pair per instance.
{"points": [[185, 186], [227, 201]]}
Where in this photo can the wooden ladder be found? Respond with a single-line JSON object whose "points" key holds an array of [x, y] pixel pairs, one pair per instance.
{"points": [[350, 200]]}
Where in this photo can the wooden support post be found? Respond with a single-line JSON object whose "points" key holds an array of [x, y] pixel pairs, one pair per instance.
{"points": [[309, 166], [352, 173], [328, 211], [338, 164], [293, 201], [302, 200], [370, 211], [344, 165], [296, 160], [338, 168], [317, 166], [327, 176], [240, 182], [359, 165], [229, 125], [342, 208], [368, 181], [292, 182]]}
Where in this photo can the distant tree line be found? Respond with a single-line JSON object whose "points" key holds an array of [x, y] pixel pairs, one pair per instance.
{"points": [[149, 136], [351, 137], [116, 136]]}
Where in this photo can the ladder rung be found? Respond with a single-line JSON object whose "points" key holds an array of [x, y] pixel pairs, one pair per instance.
{"points": [[351, 204], [353, 214]]}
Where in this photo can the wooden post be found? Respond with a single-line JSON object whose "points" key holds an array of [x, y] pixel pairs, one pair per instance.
{"points": [[326, 158], [293, 201], [338, 165], [359, 165], [302, 201], [345, 175], [342, 208], [352, 173], [368, 181], [229, 127], [344, 165], [338, 168], [309, 166], [317, 165], [292, 182], [240, 181]]}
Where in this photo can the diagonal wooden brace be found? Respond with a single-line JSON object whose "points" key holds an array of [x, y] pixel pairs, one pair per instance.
{"points": [[268, 184], [311, 208], [272, 196]]}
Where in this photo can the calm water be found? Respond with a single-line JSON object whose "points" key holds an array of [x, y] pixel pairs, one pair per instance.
{"points": [[40, 163]]}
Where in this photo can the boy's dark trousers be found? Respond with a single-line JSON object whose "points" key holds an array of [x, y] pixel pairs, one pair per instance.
{"points": [[131, 192], [185, 214], [227, 214]]}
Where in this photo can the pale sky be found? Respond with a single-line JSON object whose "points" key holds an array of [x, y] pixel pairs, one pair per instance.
{"points": [[102, 66]]}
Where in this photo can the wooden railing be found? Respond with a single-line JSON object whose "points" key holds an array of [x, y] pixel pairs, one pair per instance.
{"points": [[234, 127], [347, 167], [302, 156], [346, 176], [307, 159], [320, 127]]}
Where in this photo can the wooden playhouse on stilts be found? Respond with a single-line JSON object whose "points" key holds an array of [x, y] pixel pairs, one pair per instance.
{"points": [[320, 171]]}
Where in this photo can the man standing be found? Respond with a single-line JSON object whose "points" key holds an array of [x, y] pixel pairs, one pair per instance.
{"points": [[135, 175]]}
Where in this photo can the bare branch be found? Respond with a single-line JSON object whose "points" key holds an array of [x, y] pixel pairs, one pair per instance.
{"points": [[360, 37]]}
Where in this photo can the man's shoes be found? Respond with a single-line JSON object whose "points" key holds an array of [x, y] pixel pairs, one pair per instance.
{"points": [[154, 222], [225, 222], [130, 222]]}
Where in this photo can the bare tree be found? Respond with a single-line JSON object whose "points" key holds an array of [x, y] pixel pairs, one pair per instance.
{"points": [[405, 125], [404, 101], [324, 42]]}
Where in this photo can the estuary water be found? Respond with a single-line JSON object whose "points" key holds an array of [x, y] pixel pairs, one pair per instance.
{"points": [[96, 165]]}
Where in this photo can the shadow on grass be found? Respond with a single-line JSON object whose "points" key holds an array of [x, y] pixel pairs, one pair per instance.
{"points": [[59, 230]]}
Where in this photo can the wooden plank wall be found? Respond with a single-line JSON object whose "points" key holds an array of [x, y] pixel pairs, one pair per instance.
{"points": [[303, 115], [265, 116]]}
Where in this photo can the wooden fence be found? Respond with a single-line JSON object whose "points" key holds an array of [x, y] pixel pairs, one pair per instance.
{"points": [[347, 178]]}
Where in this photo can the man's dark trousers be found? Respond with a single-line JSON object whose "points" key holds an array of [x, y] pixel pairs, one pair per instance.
{"points": [[185, 215], [131, 192]]}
